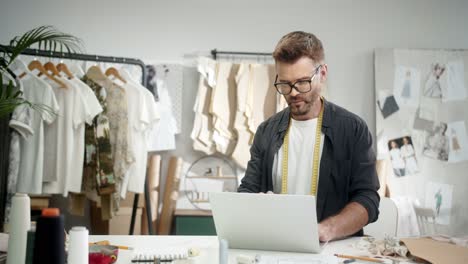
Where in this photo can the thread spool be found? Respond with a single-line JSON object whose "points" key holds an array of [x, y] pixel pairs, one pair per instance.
{"points": [[30, 243], [78, 247], [49, 244], [20, 223]]}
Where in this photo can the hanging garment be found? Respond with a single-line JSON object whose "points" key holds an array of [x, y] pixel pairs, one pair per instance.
{"points": [[141, 103], [92, 109], [202, 132], [20, 124], [60, 137], [31, 167], [263, 104], [241, 153], [98, 171], [223, 108], [172, 76], [162, 136]]}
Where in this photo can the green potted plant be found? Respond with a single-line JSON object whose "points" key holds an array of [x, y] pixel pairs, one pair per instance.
{"points": [[44, 38]]}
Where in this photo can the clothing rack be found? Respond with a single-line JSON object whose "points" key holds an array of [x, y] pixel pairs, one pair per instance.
{"points": [[99, 58], [215, 53], [85, 57]]}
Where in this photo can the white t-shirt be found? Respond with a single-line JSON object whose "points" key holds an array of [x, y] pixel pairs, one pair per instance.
{"points": [[142, 123], [60, 136], [32, 148], [137, 120], [300, 158], [92, 108], [162, 136]]}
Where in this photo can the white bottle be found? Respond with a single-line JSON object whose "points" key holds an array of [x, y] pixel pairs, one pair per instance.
{"points": [[20, 223], [78, 247]]}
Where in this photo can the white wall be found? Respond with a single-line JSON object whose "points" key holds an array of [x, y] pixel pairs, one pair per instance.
{"points": [[167, 30]]}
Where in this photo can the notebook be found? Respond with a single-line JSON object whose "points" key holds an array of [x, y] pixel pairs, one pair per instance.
{"points": [[266, 221]]}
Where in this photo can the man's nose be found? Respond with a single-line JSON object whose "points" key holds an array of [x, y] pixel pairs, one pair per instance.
{"points": [[294, 92]]}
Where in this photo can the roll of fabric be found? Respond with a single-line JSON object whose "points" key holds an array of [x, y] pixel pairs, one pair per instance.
{"points": [[78, 247], [20, 223], [49, 244]]}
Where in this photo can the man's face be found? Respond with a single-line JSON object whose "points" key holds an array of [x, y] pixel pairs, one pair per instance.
{"points": [[301, 104]]}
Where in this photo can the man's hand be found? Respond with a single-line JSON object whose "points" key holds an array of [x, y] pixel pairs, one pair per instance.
{"points": [[350, 220], [325, 232]]}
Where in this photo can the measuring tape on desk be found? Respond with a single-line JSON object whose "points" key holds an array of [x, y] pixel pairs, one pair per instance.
{"points": [[315, 162]]}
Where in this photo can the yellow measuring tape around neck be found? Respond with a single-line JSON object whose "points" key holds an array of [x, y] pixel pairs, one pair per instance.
{"points": [[315, 162]]}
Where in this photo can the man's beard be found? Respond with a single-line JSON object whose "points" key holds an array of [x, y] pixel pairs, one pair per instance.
{"points": [[305, 108]]}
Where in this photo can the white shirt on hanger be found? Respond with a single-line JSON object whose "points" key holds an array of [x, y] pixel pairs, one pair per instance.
{"points": [[32, 148], [92, 108], [145, 115], [60, 136], [162, 136]]}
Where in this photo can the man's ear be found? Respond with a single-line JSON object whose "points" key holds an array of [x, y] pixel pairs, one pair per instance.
{"points": [[323, 72]]}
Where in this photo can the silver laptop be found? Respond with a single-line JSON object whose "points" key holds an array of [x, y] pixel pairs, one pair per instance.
{"points": [[266, 221]]}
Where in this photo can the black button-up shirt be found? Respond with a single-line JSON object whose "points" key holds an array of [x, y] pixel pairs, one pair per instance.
{"points": [[347, 165]]}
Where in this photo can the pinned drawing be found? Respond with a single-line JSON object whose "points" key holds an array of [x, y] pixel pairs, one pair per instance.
{"points": [[406, 86], [439, 198], [409, 156], [435, 85], [456, 89], [423, 119], [437, 143], [403, 156], [387, 103], [457, 141], [398, 163]]}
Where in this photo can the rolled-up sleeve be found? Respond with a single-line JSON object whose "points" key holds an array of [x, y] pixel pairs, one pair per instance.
{"points": [[364, 182]]}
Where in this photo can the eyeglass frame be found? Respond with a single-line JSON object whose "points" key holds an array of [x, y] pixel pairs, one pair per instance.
{"points": [[293, 85]]}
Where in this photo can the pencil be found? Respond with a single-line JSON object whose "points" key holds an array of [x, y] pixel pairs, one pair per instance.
{"points": [[107, 243], [360, 258]]}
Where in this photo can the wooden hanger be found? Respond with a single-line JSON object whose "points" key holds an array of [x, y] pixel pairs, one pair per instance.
{"points": [[50, 67], [94, 73], [37, 65], [62, 67], [113, 71]]}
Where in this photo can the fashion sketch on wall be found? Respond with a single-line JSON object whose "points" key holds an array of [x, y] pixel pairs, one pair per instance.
{"points": [[436, 84], [439, 198], [437, 143], [458, 142], [456, 89], [403, 156], [406, 86]]}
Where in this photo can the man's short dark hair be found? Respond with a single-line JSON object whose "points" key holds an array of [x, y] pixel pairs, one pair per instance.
{"points": [[298, 44]]}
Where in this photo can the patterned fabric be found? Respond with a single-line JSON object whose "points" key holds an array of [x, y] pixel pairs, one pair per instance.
{"points": [[109, 140], [98, 170], [117, 111], [20, 124]]}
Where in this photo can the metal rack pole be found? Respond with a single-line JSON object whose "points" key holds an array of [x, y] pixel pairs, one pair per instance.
{"points": [[215, 53]]}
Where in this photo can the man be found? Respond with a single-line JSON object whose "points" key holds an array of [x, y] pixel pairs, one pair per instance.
{"points": [[282, 155]]}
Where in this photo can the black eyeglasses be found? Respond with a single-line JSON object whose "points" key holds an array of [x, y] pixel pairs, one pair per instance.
{"points": [[301, 86]]}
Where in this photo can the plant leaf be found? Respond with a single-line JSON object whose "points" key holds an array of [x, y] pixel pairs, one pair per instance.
{"points": [[44, 36]]}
